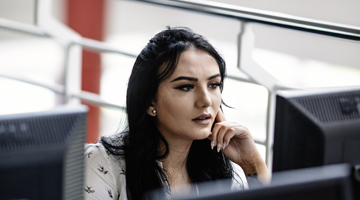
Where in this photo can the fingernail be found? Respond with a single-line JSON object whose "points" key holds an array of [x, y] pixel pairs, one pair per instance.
{"points": [[212, 144], [224, 145], [219, 147]]}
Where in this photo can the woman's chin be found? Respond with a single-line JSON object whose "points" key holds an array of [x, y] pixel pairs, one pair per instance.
{"points": [[203, 135]]}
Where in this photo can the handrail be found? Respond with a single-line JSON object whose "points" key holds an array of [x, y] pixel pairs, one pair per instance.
{"points": [[95, 99], [264, 17], [22, 27], [59, 89], [101, 46], [86, 43]]}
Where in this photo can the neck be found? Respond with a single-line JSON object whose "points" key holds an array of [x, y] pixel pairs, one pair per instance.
{"points": [[178, 153], [175, 163]]}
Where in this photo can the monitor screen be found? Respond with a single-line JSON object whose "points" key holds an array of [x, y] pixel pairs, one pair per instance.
{"points": [[316, 127], [41, 154]]}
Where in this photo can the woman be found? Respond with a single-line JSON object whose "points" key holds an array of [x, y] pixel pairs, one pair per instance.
{"points": [[177, 134]]}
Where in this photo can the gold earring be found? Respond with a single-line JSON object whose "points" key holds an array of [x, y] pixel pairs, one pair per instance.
{"points": [[154, 111]]}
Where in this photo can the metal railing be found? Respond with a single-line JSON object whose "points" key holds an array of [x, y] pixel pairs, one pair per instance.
{"points": [[47, 26], [262, 16]]}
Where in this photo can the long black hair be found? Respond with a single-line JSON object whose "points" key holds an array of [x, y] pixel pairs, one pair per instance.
{"points": [[142, 138]]}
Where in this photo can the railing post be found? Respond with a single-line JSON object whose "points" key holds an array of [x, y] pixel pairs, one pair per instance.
{"points": [[68, 37], [72, 73], [260, 76]]}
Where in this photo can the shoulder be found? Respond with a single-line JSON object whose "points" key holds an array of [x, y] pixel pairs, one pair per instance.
{"points": [[104, 173], [96, 155], [108, 148], [97, 150]]}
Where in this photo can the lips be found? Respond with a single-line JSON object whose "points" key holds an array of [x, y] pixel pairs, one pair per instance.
{"points": [[203, 119]]}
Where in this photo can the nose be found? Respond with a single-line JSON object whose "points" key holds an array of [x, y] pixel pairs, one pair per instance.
{"points": [[203, 99]]}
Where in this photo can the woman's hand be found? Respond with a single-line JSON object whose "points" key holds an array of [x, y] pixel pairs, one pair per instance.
{"points": [[237, 144]]}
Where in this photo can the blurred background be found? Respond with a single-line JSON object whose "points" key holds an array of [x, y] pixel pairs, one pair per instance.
{"points": [[294, 58]]}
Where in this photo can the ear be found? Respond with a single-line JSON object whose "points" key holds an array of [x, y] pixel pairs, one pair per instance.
{"points": [[151, 111]]}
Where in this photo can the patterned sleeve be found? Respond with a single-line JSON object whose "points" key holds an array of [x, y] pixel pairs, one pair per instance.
{"points": [[100, 179]]}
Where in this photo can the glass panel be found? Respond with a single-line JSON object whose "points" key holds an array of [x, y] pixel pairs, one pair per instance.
{"points": [[262, 151], [19, 97], [305, 60], [148, 19], [249, 102], [116, 70], [112, 121], [35, 58], [32, 58], [18, 10]]}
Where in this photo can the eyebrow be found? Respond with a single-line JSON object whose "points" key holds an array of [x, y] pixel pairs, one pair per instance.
{"points": [[214, 76], [192, 79]]}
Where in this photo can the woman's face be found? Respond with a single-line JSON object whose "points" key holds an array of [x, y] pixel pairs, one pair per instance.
{"points": [[188, 101]]}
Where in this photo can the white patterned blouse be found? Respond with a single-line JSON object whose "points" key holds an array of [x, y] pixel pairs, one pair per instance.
{"points": [[105, 175]]}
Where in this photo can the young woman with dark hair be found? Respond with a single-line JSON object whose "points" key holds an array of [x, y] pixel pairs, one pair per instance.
{"points": [[177, 134]]}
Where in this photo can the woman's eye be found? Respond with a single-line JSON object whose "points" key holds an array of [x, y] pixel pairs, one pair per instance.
{"points": [[214, 85], [185, 87]]}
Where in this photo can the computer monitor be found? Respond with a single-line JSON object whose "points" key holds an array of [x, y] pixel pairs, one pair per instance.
{"points": [[41, 154], [316, 127], [330, 182]]}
